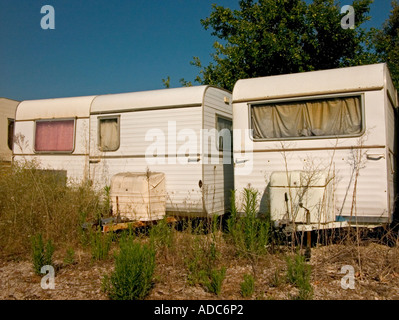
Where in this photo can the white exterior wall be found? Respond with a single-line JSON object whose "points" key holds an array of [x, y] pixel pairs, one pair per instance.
{"points": [[218, 178], [373, 198], [75, 163], [182, 178], [7, 111]]}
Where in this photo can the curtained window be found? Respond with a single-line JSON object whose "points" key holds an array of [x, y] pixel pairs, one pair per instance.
{"points": [[108, 134], [54, 135], [225, 136], [312, 118]]}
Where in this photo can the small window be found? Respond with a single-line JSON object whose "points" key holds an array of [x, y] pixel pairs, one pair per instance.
{"points": [[225, 137], [10, 133], [54, 136], [341, 116], [108, 134]]}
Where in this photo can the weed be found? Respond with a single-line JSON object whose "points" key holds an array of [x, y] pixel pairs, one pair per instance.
{"points": [[70, 257], [247, 286], [100, 245], [41, 254], [213, 281], [250, 234], [161, 235], [299, 274], [134, 269]]}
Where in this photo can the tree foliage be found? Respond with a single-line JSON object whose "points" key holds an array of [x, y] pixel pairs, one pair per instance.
{"points": [[387, 42], [269, 37]]}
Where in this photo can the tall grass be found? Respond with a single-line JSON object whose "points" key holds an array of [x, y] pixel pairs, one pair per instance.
{"points": [[36, 201]]}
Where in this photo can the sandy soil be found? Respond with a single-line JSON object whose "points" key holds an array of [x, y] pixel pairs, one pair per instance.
{"points": [[376, 277]]}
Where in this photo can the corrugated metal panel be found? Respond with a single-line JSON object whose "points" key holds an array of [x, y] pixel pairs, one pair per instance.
{"points": [[310, 83]]}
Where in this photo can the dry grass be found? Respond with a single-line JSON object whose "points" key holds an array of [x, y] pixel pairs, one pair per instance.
{"points": [[32, 202]]}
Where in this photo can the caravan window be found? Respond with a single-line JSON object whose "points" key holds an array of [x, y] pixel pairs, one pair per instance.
{"points": [[225, 137], [54, 135], [339, 116], [10, 133], [108, 134]]}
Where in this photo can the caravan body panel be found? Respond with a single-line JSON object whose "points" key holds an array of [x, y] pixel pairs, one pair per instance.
{"points": [[360, 165]]}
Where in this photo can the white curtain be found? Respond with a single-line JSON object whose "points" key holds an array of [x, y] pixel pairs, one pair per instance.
{"points": [[109, 134]]}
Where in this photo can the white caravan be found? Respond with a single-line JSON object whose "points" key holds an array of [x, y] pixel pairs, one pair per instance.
{"points": [[7, 117], [319, 147], [183, 133]]}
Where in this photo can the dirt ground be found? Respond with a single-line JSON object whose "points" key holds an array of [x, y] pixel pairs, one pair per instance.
{"points": [[376, 269]]}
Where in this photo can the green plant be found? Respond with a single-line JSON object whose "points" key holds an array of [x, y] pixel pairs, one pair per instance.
{"points": [[250, 234], [100, 245], [299, 274], [247, 286], [213, 281], [70, 257], [41, 254], [134, 269], [161, 235]]}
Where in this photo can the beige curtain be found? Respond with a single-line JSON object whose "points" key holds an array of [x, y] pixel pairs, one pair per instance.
{"points": [[109, 134], [328, 117]]}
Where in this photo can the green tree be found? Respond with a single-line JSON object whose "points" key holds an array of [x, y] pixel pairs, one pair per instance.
{"points": [[387, 42], [269, 37]]}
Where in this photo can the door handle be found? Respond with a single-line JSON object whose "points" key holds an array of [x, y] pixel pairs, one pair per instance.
{"points": [[375, 156], [243, 160]]}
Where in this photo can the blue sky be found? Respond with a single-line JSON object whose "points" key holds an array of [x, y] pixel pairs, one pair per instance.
{"points": [[102, 46]]}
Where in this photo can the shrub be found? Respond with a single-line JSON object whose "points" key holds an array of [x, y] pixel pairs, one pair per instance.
{"points": [[134, 269], [213, 281], [41, 254], [299, 274], [247, 286], [250, 234]]}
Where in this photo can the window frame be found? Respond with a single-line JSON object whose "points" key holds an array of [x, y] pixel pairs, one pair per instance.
{"points": [[99, 118], [217, 117], [9, 121], [55, 120], [303, 99]]}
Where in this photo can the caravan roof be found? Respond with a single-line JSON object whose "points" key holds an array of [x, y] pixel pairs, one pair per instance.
{"points": [[81, 107], [176, 97], [55, 108], [340, 80]]}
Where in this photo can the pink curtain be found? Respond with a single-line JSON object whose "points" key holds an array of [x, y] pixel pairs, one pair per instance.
{"points": [[54, 135]]}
